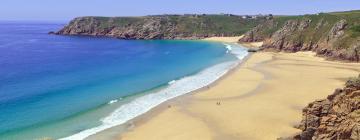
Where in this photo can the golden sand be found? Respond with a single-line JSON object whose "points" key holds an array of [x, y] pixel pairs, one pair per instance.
{"points": [[234, 40], [224, 39], [260, 100], [252, 44]]}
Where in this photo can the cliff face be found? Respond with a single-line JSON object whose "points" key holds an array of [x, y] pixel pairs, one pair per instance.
{"points": [[161, 27], [334, 35], [334, 118], [258, 33]]}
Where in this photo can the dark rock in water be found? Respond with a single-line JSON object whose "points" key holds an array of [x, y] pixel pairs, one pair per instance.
{"points": [[334, 118], [51, 33], [252, 50]]}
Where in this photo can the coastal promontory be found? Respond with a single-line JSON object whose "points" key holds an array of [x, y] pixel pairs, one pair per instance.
{"points": [[190, 26], [333, 35]]}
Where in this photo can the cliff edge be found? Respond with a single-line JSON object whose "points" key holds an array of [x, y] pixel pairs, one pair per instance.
{"points": [[334, 35], [161, 26]]}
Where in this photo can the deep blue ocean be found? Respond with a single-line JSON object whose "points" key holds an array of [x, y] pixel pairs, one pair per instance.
{"points": [[56, 86]]}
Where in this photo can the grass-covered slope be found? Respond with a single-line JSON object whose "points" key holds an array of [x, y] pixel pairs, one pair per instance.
{"points": [[336, 35], [161, 27]]}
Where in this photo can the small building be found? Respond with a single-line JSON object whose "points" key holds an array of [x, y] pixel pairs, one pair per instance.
{"points": [[246, 17]]}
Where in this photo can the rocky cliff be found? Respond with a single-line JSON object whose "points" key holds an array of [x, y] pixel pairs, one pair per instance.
{"points": [[259, 33], [161, 27], [334, 35], [334, 118]]}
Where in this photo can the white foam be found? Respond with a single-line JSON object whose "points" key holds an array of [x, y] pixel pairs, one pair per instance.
{"points": [[171, 82], [239, 52], [228, 47], [143, 104], [112, 101]]}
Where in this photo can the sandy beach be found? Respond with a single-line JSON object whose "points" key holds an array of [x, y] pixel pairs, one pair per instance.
{"points": [[224, 39], [234, 39], [261, 99]]}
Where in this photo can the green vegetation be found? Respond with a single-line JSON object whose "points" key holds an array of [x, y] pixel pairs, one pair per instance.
{"points": [[355, 28], [355, 31], [319, 27], [227, 25], [316, 29], [353, 82]]}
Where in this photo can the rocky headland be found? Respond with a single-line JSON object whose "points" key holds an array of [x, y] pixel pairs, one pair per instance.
{"points": [[333, 35], [162, 26]]}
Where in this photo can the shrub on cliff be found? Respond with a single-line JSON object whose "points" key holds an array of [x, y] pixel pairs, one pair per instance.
{"points": [[353, 83]]}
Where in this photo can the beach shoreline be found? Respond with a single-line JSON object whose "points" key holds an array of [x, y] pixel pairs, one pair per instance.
{"points": [[114, 132], [235, 40], [197, 110]]}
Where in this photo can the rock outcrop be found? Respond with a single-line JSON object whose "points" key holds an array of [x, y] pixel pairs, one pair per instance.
{"points": [[329, 35], [334, 118], [161, 27], [333, 35], [257, 33], [281, 39]]}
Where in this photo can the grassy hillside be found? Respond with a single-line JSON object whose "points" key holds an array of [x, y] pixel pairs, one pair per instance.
{"points": [[332, 34], [162, 26]]}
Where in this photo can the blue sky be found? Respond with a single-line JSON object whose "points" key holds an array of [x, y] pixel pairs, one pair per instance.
{"points": [[68, 9]]}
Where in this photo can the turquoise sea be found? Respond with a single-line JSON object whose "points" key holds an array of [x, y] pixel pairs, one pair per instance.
{"points": [[70, 87]]}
